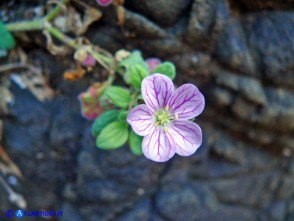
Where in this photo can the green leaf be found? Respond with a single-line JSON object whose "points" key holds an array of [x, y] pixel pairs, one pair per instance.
{"points": [[137, 74], [7, 41], [103, 120], [113, 136], [167, 68], [120, 96], [135, 143], [123, 116], [125, 65]]}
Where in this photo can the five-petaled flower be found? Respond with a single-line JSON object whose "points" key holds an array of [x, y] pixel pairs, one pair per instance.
{"points": [[164, 119], [104, 3]]}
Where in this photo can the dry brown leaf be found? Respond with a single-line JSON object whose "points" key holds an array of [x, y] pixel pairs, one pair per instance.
{"points": [[91, 15], [74, 74], [6, 96], [54, 49], [71, 20], [38, 85], [1, 130], [7, 166], [120, 10], [34, 80]]}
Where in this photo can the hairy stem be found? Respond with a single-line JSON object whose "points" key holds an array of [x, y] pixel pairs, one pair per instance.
{"points": [[61, 37], [43, 24], [37, 24], [26, 25], [54, 12]]}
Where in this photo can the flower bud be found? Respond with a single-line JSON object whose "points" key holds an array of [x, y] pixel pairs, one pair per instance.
{"points": [[104, 3], [152, 63]]}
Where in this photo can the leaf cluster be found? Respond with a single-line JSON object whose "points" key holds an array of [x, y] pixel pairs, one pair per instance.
{"points": [[111, 128]]}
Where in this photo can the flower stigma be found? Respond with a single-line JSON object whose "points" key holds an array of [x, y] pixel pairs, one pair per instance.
{"points": [[163, 117]]}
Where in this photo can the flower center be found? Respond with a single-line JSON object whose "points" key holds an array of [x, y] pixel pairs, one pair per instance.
{"points": [[163, 118]]}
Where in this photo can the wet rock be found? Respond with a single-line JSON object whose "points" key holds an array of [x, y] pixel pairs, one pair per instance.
{"points": [[253, 5], [25, 130], [277, 211], [249, 190], [206, 22], [232, 48], [270, 37], [118, 175], [161, 11], [141, 26], [167, 47], [286, 187], [185, 202], [243, 171], [243, 153], [69, 213], [250, 88], [141, 211], [225, 213], [222, 97]]}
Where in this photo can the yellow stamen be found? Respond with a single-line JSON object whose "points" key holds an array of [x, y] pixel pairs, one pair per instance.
{"points": [[165, 129], [166, 108], [176, 116], [156, 124]]}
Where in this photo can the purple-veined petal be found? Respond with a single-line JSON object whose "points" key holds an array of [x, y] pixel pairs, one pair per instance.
{"points": [[104, 3], [187, 137], [187, 101], [157, 146], [141, 119], [156, 90]]}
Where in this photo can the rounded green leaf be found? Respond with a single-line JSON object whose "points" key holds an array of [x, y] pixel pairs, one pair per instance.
{"points": [[120, 96], [122, 116], [166, 68], [7, 41], [103, 120], [135, 143], [137, 74], [124, 66], [113, 136]]}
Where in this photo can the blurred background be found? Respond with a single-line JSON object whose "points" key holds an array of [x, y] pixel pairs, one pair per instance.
{"points": [[239, 53]]}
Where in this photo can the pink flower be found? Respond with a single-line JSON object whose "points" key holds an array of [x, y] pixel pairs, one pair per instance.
{"points": [[90, 105], [89, 61], [164, 119], [152, 63], [104, 3]]}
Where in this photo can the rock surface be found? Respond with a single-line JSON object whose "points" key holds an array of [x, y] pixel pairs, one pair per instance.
{"points": [[239, 55]]}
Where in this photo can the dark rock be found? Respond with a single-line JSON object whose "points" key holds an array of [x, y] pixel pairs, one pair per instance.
{"points": [[225, 213], [252, 5], [270, 37], [25, 130], [141, 211], [250, 88], [65, 131], [162, 12], [141, 26], [286, 188], [70, 213], [232, 48], [118, 175], [248, 156], [185, 202], [241, 61], [277, 211], [247, 190], [207, 21]]}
